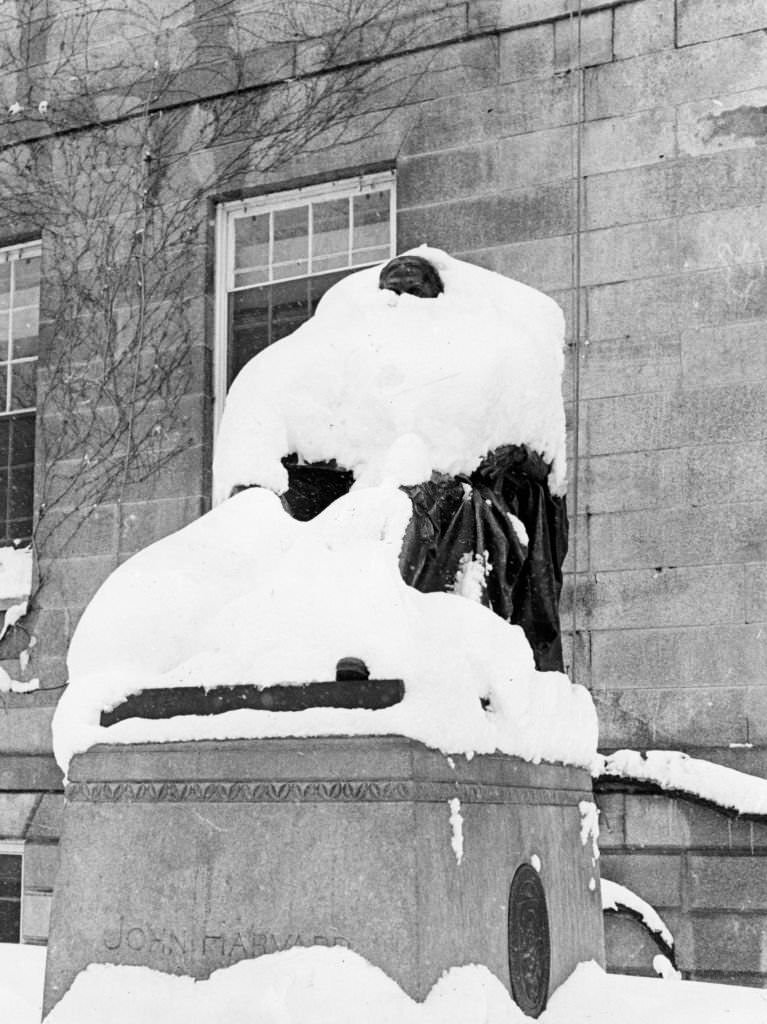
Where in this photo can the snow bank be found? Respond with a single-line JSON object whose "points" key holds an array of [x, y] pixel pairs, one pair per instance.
{"points": [[21, 983], [316, 985], [248, 595], [458, 375], [674, 770], [589, 996], [319, 985]]}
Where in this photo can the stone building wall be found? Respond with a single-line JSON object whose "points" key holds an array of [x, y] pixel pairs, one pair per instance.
{"points": [[671, 564]]}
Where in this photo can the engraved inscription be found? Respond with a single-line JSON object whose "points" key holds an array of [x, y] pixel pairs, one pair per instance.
{"points": [[220, 946]]}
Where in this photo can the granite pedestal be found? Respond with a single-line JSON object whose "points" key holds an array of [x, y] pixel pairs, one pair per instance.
{"points": [[187, 857]]}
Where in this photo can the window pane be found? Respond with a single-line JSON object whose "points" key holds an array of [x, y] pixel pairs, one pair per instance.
{"points": [[330, 238], [20, 500], [371, 227], [319, 285], [24, 326], [5, 285], [22, 439], [249, 327], [291, 242], [3, 393], [5, 319], [261, 316], [10, 920], [251, 249], [27, 278], [24, 385], [10, 874]]}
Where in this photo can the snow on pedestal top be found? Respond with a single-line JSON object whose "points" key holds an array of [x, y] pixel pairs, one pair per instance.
{"points": [[395, 386], [392, 387]]}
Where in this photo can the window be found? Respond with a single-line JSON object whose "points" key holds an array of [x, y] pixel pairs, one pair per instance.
{"points": [[19, 314], [10, 891], [277, 255]]}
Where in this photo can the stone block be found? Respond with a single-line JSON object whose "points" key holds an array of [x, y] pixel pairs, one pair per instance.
{"points": [[756, 593], [700, 20], [629, 947], [499, 14], [657, 305], [726, 238], [682, 536], [696, 595], [35, 916], [596, 40], [527, 52], [612, 820], [690, 656], [143, 523], [454, 121], [722, 122], [631, 251], [625, 366], [41, 863], [28, 772], [664, 822], [74, 581], [15, 811], [657, 878], [441, 177], [614, 143], [669, 718], [26, 730], [184, 875], [45, 825], [500, 219], [717, 473], [675, 76], [731, 414], [727, 883], [544, 263], [631, 480], [539, 156], [643, 27], [732, 354], [721, 181], [725, 942]]}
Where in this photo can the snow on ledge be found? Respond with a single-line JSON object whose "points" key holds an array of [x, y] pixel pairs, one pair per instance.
{"points": [[15, 573], [676, 771]]}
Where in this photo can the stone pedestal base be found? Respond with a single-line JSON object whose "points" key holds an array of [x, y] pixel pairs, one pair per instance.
{"points": [[187, 857]]}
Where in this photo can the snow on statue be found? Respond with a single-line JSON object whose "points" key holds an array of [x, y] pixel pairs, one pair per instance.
{"points": [[400, 452]]}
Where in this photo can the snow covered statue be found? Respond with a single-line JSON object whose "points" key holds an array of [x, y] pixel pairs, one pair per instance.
{"points": [[426, 394], [384, 476]]}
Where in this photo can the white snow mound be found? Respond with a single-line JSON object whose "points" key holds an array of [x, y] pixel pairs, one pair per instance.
{"points": [[456, 376], [246, 594]]}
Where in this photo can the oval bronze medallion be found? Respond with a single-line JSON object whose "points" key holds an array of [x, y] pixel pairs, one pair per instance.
{"points": [[529, 943]]}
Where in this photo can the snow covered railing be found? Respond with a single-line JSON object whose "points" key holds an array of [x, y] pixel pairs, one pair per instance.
{"points": [[621, 900], [676, 774]]}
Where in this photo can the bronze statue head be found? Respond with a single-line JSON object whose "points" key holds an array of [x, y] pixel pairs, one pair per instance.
{"points": [[413, 275]]}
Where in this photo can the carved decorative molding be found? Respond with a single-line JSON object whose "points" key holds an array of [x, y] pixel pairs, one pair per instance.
{"points": [[316, 791]]}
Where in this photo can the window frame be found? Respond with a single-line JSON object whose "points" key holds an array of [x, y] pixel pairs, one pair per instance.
{"points": [[15, 253], [226, 216], [15, 848]]}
